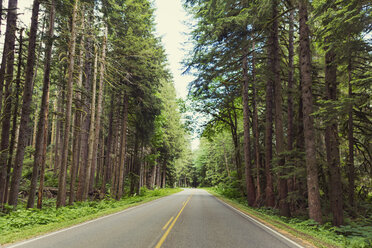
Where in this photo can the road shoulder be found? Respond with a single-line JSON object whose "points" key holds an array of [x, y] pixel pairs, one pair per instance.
{"points": [[282, 229]]}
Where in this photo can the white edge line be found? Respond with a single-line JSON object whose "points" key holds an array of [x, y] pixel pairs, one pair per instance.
{"points": [[258, 222], [85, 223]]}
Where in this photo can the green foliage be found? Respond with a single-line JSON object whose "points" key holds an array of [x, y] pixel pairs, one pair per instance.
{"points": [[357, 234]]}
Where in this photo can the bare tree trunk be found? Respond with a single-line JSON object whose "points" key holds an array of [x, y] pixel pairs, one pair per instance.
{"points": [[290, 133], [24, 131], [44, 111], [61, 196], [57, 158], [279, 133], [107, 165], [123, 144], [332, 143], [164, 170], [255, 130], [15, 117], [42, 170], [351, 170], [91, 138], [269, 191], [86, 112], [114, 179], [78, 118], [315, 212], [99, 107], [251, 194], [7, 63]]}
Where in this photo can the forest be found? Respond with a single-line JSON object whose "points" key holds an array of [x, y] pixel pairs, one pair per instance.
{"points": [[88, 105], [280, 100], [284, 88]]}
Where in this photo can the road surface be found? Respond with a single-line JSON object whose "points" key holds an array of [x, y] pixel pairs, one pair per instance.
{"points": [[192, 218]]}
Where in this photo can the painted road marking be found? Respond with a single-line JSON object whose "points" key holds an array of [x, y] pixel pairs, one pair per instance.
{"points": [[161, 241], [169, 221]]}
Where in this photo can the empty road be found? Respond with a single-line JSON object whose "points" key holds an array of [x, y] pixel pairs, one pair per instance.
{"points": [[192, 218]]}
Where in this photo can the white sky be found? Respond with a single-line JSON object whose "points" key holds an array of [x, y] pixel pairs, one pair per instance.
{"points": [[170, 21]]}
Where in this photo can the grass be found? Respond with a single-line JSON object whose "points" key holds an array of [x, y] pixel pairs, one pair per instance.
{"points": [[307, 231], [27, 223]]}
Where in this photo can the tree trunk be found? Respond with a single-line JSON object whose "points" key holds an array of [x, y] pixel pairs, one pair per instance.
{"points": [[290, 94], [7, 63], [99, 108], [90, 170], [269, 191], [44, 111], [164, 173], [42, 169], [279, 133], [15, 117], [77, 125], [255, 129], [123, 144], [86, 114], [61, 196], [351, 170], [251, 195], [307, 98], [332, 143], [24, 129], [107, 165]]}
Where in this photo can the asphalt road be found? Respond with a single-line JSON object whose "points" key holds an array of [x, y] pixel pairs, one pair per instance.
{"points": [[192, 218]]}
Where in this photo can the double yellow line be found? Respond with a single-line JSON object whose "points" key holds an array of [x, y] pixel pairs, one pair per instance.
{"points": [[161, 241]]}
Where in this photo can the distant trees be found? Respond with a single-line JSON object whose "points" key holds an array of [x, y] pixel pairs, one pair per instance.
{"points": [[295, 77], [104, 70]]}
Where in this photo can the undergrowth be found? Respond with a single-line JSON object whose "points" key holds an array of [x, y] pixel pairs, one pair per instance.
{"points": [[354, 234]]}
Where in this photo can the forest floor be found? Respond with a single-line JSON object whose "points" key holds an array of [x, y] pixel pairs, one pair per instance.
{"points": [[304, 231], [27, 223]]}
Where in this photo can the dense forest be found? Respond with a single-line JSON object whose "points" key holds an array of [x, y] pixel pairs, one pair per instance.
{"points": [[88, 104], [280, 99], [284, 88]]}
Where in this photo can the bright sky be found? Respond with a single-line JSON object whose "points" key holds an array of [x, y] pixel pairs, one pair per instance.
{"points": [[170, 20]]}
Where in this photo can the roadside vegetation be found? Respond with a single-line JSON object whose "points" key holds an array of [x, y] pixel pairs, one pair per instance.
{"points": [[25, 223], [356, 233]]}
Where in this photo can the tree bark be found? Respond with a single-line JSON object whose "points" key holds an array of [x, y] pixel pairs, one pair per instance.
{"points": [[44, 111], [77, 125], [279, 133], [91, 138], [99, 106], [251, 195], [24, 129], [123, 144], [290, 132], [351, 169], [15, 116], [108, 163], [8, 62], [269, 191], [61, 196], [307, 98], [255, 129], [42, 169], [332, 143]]}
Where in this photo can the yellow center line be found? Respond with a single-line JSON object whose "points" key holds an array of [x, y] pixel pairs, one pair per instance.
{"points": [[164, 227], [161, 241]]}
